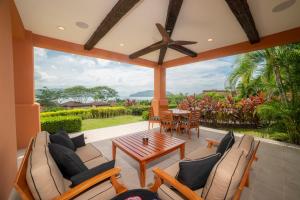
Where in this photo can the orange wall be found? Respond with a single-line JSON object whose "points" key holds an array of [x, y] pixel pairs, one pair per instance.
{"points": [[8, 166], [160, 101], [27, 111]]}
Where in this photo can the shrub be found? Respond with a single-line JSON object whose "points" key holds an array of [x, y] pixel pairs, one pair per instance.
{"points": [[68, 123], [145, 115], [83, 113], [52, 109], [138, 110], [283, 137], [172, 106], [101, 112], [107, 112]]}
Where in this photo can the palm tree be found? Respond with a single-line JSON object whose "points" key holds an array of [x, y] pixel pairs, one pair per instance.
{"points": [[265, 67], [276, 71]]}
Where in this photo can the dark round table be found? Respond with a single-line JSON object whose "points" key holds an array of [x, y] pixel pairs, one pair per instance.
{"points": [[137, 194]]}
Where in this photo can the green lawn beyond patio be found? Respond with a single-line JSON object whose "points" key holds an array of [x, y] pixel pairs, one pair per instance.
{"points": [[89, 124]]}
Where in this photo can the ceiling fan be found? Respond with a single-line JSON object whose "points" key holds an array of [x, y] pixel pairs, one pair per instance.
{"points": [[166, 42]]}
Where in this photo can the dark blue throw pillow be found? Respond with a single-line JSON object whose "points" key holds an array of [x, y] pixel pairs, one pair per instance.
{"points": [[226, 143], [63, 139], [87, 174], [194, 173], [67, 160], [78, 141]]}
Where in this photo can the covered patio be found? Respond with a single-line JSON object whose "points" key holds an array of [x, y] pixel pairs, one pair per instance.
{"points": [[278, 162], [114, 30]]}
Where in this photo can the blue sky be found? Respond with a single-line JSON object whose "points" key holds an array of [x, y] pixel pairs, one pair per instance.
{"points": [[55, 69]]}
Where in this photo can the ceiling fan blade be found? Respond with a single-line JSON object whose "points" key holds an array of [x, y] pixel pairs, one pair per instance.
{"points": [[146, 50], [181, 42], [162, 54], [163, 32], [183, 50]]}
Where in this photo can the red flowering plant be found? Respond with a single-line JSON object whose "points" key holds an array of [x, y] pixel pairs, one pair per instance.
{"points": [[226, 111], [129, 102], [189, 103]]}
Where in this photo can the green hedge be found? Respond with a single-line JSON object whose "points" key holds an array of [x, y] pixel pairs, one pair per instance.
{"points": [[101, 112], [68, 123], [145, 115], [138, 110], [172, 106]]}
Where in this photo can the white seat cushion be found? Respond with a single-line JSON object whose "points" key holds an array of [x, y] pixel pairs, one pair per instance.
{"points": [[95, 162], [201, 152], [41, 139], [165, 193], [247, 144], [43, 176], [226, 175], [88, 152]]}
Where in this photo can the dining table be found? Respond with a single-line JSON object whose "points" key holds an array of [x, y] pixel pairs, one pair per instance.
{"points": [[179, 112]]}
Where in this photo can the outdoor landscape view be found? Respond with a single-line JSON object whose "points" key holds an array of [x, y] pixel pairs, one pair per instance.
{"points": [[255, 93]]}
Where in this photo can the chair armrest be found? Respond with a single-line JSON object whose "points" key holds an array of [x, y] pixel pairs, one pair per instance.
{"points": [[212, 142], [184, 190], [112, 173]]}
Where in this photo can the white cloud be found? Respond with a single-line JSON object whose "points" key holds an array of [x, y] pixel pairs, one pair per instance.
{"points": [[59, 70], [53, 67], [39, 52]]}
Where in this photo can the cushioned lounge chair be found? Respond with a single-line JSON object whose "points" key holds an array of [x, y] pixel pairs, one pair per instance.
{"points": [[231, 174], [39, 177]]}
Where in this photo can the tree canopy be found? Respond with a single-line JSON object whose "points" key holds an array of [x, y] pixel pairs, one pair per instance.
{"points": [[51, 97]]}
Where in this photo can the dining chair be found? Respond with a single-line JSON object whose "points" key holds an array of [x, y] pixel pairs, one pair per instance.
{"points": [[167, 121], [152, 118], [193, 121]]}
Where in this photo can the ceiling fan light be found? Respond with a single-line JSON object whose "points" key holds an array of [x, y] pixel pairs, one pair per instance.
{"points": [[283, 5], [82, 25]]}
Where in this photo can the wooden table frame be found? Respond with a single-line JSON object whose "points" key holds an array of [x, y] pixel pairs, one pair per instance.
{"points": [[159, 145]]}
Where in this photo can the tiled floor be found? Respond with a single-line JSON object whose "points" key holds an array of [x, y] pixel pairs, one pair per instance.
{"points": [[276, 175]]}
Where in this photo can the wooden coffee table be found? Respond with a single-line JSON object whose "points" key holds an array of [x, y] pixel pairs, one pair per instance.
{"points": [[158, 145]]}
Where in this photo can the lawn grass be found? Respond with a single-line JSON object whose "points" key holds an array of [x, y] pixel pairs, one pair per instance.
{"points": [[89, 124], [265, 133]]}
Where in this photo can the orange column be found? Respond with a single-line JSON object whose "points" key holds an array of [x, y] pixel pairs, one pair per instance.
{"points": [[27, 111], [8, 146], [160, 101]]}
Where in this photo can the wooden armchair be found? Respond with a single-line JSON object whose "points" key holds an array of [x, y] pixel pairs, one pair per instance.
{"points": [[161, 177], [24, 191], [193, 121], [167, 121], [152, 118]]}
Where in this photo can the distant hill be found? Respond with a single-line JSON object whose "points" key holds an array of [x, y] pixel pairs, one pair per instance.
{"points": [[146, 93]]}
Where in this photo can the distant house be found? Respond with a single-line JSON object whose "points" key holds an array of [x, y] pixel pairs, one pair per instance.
{"points": [[72, 104]]}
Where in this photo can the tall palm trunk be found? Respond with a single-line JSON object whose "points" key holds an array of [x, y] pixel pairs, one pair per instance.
{"points": [[279, 84]]}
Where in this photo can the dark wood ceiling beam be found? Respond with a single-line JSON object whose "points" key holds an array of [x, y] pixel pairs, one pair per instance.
{"points": [[241, 10], [172, 15], [112, 18]]}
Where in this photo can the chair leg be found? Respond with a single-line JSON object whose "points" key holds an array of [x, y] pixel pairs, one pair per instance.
{"points": [[149, 125], [198, 132], [189, 132], [160, 128], [152, 125]]}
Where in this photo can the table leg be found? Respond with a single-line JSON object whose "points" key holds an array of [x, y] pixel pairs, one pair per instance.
{"points": [[182, 151], [142, 174], [114, 149]]}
